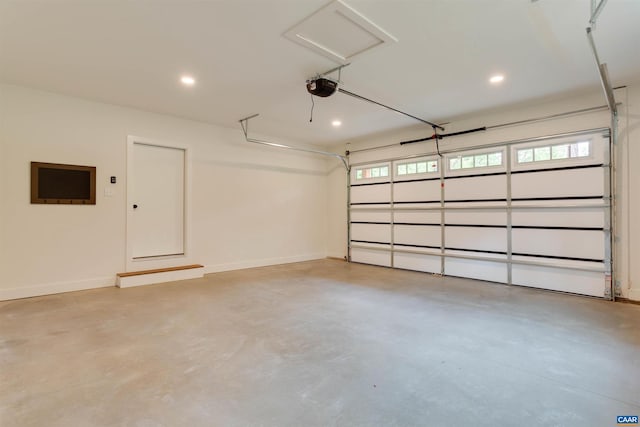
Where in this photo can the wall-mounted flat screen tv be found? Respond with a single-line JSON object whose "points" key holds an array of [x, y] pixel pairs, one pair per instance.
{"points": [[53, 183]]}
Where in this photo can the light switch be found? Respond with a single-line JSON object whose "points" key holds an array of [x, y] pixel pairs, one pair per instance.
{"points": [[108, 192]]}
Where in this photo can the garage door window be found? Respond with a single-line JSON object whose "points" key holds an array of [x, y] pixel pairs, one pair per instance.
{"points": [[372, 172], [419, 167], [473, 161], [544, 153]]}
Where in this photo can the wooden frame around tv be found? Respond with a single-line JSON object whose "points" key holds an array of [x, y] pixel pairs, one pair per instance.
{"points": [[59, 184]]}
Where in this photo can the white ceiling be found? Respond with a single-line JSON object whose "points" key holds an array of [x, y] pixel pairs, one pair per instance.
{"points": [[133, 52]]}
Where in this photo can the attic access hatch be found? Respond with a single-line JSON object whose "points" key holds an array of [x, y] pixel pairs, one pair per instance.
{"points": [[338, 32]]}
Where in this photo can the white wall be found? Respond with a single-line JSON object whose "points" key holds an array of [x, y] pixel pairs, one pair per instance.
{"points": [[628, 153], [250, 205]]}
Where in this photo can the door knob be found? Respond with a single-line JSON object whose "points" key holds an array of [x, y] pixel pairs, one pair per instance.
{"points": [[135, 206]]}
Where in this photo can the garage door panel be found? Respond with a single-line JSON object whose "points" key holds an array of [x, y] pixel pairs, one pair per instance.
{"points": [[559, 243], [481, 270], [562, 183], [584, 217], [478, 217], [476, 238], [372, 216], [416, 191], [559, 279], [476, 188], [371, 256], [371, 193], [415, 206], [417, 262], [428, 217], [371, 232], [417, 235]]}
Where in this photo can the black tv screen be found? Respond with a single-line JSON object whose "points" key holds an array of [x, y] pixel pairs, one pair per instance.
{"points": [[53, 183]]}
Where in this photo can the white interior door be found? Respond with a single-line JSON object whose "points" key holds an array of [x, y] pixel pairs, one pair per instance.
{"points": [[156, 201]]}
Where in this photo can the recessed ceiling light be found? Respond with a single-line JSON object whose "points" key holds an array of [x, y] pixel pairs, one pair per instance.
{"points": [[498, 78], [188, 80], [336, 123]]}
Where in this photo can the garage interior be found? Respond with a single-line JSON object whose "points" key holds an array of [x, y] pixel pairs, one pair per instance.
{"points": [[319, 213]]}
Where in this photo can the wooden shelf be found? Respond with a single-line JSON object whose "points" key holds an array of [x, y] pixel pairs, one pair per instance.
{"points": [[159, 270]]}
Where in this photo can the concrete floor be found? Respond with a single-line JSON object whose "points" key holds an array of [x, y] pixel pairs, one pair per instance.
{"points": [[318, 343]]}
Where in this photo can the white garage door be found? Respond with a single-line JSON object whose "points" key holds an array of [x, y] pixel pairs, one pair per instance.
{"points": [[531, 213]]}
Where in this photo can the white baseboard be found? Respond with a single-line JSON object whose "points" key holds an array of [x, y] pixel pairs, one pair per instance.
{"points": [[634, 294], [161, 277], [56, 288], [217, 268], [103, 282]]}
